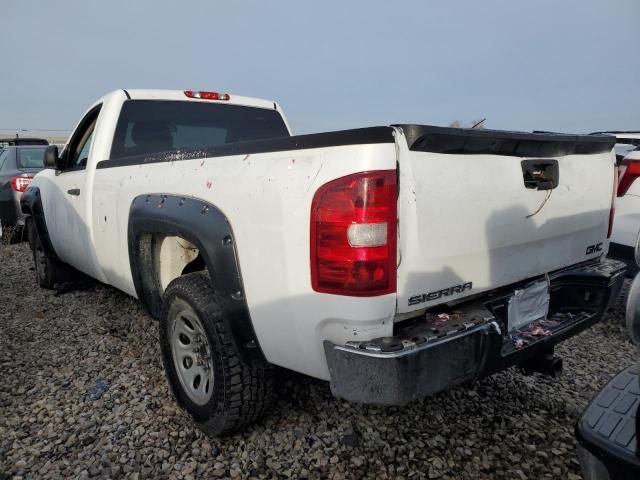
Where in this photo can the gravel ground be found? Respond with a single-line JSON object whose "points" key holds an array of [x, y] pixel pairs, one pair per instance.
{"points": [[83, 394]]}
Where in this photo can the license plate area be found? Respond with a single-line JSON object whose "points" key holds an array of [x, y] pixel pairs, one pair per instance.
{"points": [[527, 305]]}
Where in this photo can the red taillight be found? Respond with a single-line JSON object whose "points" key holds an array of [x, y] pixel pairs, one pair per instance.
{"points": [[353, 235], [207, 95], [612, 212], [20, 184], [630, 170]]}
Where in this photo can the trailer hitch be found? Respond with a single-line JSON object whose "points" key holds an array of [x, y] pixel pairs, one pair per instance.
{"points": [[547, 364]]}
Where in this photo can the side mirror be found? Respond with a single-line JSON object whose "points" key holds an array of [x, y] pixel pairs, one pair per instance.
{"points": [[51, 158]]}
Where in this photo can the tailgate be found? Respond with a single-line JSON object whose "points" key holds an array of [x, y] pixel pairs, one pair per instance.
{"points": [[480, 209]]}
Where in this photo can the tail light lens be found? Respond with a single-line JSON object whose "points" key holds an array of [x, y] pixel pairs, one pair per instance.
{"points": [[20, 184], [353, 235], [629, 171], [612, 211], [207, 95]]}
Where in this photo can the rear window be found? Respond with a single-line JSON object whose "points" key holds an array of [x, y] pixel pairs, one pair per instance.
{"points": [[30, 157], [152, 126], [3, 157]]}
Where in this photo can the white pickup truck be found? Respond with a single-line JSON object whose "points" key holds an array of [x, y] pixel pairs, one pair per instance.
{"points": [[392, 261]]}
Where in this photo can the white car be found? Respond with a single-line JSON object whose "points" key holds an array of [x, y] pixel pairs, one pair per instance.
{"points": [[392, 261], [626, 223]]}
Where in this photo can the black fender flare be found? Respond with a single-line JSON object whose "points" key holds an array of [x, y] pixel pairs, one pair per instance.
{"points": [[208, 229], [31, 205]]}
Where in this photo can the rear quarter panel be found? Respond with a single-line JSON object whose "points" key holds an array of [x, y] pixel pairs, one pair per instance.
{"points": [[267, 199]]}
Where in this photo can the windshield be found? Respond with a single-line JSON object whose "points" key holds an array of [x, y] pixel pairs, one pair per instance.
{"points": [[30, 157], [152, 126]]}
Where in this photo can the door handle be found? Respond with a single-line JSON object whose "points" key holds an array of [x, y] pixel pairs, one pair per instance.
{"points": [[74, 191], [540, 174]]}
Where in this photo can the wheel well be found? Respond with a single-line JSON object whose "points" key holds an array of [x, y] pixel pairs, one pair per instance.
{"points": [[169, 236], [161, 258], [172, 257]]}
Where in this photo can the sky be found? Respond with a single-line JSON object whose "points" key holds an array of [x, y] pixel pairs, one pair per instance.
{"points": [[568, 66]]}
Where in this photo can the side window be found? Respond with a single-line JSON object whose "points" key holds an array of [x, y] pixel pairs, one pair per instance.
{"points": [[80, 154], [77, 151]]}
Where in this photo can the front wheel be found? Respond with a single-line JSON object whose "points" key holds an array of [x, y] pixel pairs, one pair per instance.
{"points": [[206, 374]]}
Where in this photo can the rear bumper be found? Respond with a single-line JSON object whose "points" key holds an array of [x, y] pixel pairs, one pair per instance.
{"points": [[10, 211], [420, 360]]}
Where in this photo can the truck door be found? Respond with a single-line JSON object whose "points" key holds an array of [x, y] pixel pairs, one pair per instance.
{"points": [[67, 211]]}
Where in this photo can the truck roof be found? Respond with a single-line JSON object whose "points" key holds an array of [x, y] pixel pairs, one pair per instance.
{"points": [[138, 94], [13, 141]]}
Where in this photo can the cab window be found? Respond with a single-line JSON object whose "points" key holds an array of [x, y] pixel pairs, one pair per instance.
{"points": [[146, 127]]}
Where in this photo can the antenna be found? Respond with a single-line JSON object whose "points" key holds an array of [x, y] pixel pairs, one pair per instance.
{"points": [[478, 123]]}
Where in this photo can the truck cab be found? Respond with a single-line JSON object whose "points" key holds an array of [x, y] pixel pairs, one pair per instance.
{"points": [[133, 123]]}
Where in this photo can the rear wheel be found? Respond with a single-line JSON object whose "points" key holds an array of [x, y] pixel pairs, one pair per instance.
{"points": [[207, 375], [45, 265]]}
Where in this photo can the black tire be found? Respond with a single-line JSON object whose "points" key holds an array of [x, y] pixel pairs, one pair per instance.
{"points": [[45, 265], [241, 393], [19, 235], [632, 312]]}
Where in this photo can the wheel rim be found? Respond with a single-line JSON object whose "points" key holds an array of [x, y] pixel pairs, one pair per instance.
{"points": [[191, 355], [41, 262]]}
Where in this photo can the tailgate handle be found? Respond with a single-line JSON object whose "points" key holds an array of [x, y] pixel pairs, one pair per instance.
{"points": [[541, 174]]}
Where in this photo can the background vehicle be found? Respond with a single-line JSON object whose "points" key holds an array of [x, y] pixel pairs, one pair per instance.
{"points": [[626, 141], [392, 261], [20, 141], [626, 223], [18, 165]]}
